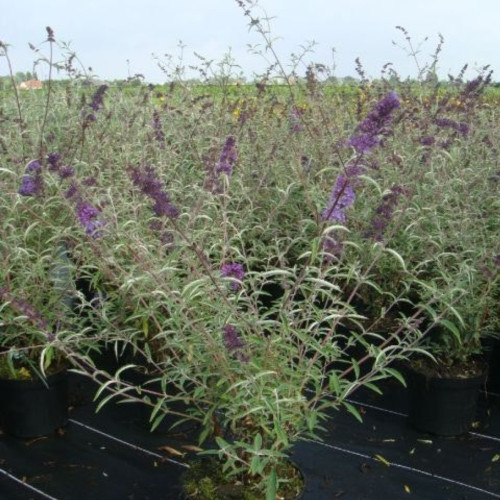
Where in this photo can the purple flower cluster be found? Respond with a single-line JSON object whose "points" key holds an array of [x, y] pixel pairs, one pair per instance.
{"points": [[294, 118], [54, 162], [89, 181], [72, 191], [385, 213], [26, 309], [66, 172], [228, 157], [166, 237], [146, 179], [342, 197], [95, 105], [212, 180], [98, 98], [234, 343], [427, 141], [475, 87], [88, 215], [460, 127], [374, 125], [157, 127], [233, 270], [331, 246], [32, 181]]}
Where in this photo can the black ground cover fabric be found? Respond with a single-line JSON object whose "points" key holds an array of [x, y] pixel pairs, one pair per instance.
{"points": [[112, 455]]}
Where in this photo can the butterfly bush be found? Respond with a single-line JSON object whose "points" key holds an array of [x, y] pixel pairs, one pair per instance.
{"points": [[260, 275]]}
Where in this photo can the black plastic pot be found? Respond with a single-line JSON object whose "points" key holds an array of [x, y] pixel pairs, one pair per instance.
{"points": [[29, 408], [492, 352], [442, 406]]}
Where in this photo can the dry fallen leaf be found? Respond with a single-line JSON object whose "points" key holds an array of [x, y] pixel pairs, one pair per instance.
{"points": [[425, 441], [382, 460], [191, 447], [495, 458], [32, 441], [407, 488], [171, 450]]}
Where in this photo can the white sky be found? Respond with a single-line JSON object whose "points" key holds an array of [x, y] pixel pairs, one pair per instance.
{"points": [[107, 33]]}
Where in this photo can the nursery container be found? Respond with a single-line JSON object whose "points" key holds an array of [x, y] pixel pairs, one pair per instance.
{"points": [[442, 406], [33, 408], [492, 351]]}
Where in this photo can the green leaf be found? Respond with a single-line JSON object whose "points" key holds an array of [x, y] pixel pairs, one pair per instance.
{"points": [[334, 383], [353, 410], [221, 443], [157, 421], [373, 387], [257, 442], [272, 485], [396, 375], [203, 435], [191, 290], [312, 420], [397, 256], [355, 366], [452, 328], [256, 465]]}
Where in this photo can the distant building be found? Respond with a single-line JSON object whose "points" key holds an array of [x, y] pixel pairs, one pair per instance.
{"points": [[31, 85], [279, 80]]}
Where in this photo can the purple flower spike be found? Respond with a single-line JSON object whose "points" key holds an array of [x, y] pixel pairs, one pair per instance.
{"points": [[98, 98], [364, 142], [233, 270], [460, 127], [28, 186], [32, 182], [71, 191], [385, 213], [294, 119], [374, 125], [157, 127], [26, 309], [88, 217], [146, 179], [33, 167], [228, 157], [341, 198], [234, 343], [427, 141], [54, 161], [66, 172]]}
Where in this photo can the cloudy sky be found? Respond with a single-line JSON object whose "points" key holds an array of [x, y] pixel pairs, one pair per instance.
{"points": [[118, 38]]}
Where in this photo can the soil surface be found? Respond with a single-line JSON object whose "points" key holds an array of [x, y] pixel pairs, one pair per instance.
{"points": [[444, 368]]}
